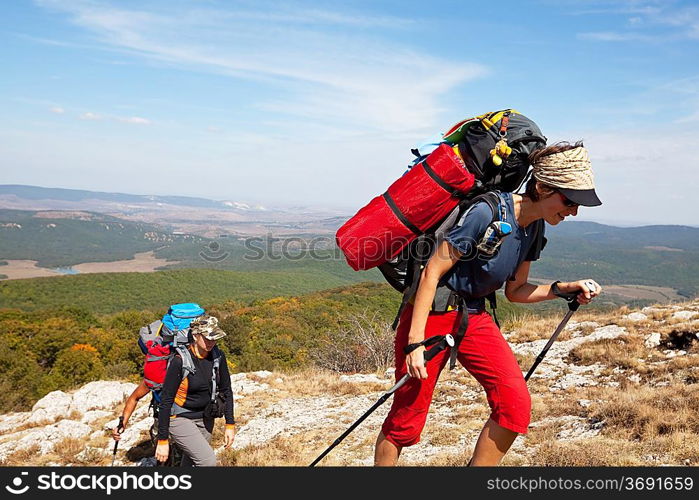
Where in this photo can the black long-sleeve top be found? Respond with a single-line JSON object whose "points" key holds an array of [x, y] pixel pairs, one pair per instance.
{"points": [[194, 392]]}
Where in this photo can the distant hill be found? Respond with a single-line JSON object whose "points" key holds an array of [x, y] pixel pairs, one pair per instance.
{"points": [[56, 239], [648, 255], [191, 215], [42, 193], [196, 233]]}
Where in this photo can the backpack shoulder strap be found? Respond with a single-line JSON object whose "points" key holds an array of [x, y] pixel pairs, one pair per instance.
{"points": [[214, 373], [187, 361]]}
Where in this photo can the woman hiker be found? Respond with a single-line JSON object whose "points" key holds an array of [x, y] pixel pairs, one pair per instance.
{"points": [[186, 410], [562, 181]]}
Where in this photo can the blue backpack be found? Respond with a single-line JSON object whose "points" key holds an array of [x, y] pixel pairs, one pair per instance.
{"points": [[173, 328], [160, 340]]}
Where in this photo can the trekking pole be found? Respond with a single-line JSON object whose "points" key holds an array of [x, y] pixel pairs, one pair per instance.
{"points": [[447, 340], [120, 426], [573, 305]]}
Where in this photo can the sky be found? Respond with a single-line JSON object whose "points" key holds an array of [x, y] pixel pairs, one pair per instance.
{"points": [[319, 103]]}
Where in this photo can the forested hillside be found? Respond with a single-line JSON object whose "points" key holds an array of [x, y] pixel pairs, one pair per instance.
{"points": [[56, 239], [61, 348]]}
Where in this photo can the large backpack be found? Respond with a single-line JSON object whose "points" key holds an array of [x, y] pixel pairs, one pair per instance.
{"points": [[398, 231], [477, 155], [160, 340]]}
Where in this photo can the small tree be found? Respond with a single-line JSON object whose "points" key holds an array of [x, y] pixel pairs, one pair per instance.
{"points": [[74, 366], [362, 343]]}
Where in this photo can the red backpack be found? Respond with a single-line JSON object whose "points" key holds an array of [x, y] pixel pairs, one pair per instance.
{"points": [[477, 155], [155, 365]]}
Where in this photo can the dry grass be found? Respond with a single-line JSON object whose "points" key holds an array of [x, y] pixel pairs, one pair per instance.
{"points": [[644, 413], [624, 352], [545, 404], [597, 451], [528, 328], [443, 435], [319, 382], [26, 456], [284, 451]]}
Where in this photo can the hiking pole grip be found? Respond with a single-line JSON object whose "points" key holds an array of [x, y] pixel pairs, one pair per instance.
{"points": [[120, 426]]}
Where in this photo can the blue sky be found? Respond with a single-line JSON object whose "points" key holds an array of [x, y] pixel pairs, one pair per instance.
{"points": [[319, 103]]}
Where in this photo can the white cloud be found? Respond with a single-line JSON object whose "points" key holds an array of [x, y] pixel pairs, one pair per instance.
{"points": [[58, 110], [347, 76], [653, 17], [90, 116], [137, 120], [612, 36]]}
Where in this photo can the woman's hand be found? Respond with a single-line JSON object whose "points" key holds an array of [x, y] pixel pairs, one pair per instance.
{"points": [[162, 451], [415, 362], [588, 289], [116, 432], [228, 436]]}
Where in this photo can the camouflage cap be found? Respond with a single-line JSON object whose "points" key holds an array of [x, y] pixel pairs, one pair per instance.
{"points": [[207, 326]]}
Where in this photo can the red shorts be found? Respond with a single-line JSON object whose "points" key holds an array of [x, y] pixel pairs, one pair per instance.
{"points": [[483, 352]]}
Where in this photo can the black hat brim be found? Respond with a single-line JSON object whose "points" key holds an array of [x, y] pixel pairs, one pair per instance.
{"points": [[584, 197]]}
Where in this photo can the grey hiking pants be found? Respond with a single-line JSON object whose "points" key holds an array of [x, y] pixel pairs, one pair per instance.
{"points": [[193, 436]]}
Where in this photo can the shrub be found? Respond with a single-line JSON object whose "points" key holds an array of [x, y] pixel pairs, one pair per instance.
{"points": [[362, 343], [78, 365]]}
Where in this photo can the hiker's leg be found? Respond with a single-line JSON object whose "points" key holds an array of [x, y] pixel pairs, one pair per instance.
{"points": [[193, 438], [492, 444], [386, 453], [408, 414], [487, 356]]}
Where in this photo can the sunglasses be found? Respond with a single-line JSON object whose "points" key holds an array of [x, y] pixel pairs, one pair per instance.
{"points": [[567, 202]]}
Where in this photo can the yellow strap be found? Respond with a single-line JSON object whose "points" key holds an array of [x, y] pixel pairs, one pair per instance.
{"points": [[490, 121]]}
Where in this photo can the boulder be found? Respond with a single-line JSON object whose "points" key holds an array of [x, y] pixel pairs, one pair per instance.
{"points": [[100, 395], [93, 415], [652, 340], [636, 316], [46, 437], [53, 406], [684, 315], [11, 421]]}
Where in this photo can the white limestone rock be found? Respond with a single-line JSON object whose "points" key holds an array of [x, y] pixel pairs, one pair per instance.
{"points": [[100, 395], [10, 421], [55, 405], [684, 315], [242, 386], [636, 316], [94, 415], [652, 340], [363, 378]]}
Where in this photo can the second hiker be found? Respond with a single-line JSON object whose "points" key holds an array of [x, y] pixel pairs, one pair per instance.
{"points": [[190, 404]]}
